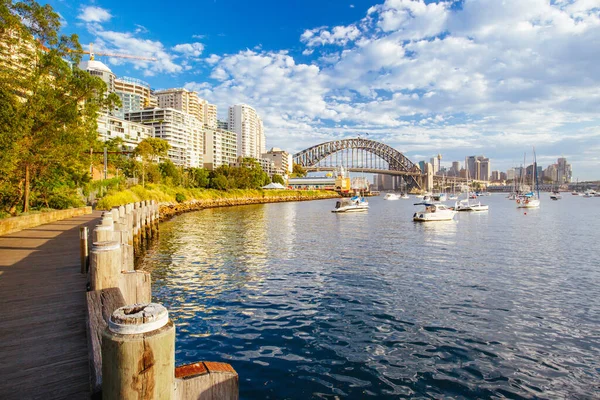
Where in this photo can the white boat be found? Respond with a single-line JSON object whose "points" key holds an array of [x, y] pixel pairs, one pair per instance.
{"points": [[404, 196], [590, 193], [353, 204], [466, 205], [555, 196], [391, 196], [531, 199], [453, 197], [439, 197], [434, 212]]}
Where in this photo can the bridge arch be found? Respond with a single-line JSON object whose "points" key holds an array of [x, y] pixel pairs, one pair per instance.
{"points": [[395, 160]]}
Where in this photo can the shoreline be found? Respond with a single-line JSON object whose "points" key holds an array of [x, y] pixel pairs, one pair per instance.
{"points": [[170, 210]]}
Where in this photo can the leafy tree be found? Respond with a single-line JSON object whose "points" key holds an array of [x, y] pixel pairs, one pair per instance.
{"points": [[150, 150], [298, 171], [198, 177], [278, 179], [53, 105], [170, 173]]}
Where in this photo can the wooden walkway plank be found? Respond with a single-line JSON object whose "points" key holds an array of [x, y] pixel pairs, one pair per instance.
{"points": [[43, 344]]}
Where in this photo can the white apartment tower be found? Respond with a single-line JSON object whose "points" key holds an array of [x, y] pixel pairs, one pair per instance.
{"points": [[220, 147], [135, 95], [182, 131], [247, 125], [182, 100]]}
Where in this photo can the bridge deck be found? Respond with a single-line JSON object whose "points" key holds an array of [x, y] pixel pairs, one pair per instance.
{"points": [[43, 345]]}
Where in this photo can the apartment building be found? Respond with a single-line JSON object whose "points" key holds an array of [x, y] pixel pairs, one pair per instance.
{"points": [[282, 160], [182, 131], [210, 114], [135, 95], [220, 147], [110, 127], [247, 125], [182, 100]]}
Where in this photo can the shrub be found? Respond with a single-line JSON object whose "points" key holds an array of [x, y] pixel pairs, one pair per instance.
{"points": [[180, 197]]}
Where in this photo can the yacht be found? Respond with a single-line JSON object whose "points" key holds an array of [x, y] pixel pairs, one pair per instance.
{"points": [[434, 212], [528, 200], [391, 196], [555, 196], [353, 204], [404, 196], [466, 205]]}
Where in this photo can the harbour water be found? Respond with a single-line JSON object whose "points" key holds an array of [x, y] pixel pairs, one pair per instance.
{"points": [[305, 303]]}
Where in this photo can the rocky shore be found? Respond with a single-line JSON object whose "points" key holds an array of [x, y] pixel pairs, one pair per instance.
{"points": [[168, 211]]}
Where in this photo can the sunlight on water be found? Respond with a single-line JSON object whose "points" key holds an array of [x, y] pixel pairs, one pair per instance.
{"points": [[305, 303]]}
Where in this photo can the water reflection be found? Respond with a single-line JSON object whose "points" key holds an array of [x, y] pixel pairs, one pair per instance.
{"points": [[491, 305]]}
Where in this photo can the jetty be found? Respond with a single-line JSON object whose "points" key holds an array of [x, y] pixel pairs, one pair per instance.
{"points": [[43, 344], [77, 320]]}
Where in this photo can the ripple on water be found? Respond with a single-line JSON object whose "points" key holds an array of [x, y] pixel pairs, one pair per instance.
{"points": [[307, 304]]}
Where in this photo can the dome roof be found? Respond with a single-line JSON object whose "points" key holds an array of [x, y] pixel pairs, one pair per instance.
{"points": [[93, 65]]}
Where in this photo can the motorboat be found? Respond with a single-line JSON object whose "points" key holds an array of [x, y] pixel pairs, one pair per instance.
{"points": [[466, 205], [391, 196], [434, 212], [555, 196], [352, 204], [439, 197], [405, 196]]}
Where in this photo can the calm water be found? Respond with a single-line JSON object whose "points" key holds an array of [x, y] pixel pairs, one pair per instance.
{"points": [[305, 303]]}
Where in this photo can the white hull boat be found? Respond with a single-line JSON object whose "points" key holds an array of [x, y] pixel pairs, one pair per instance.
{"points": [[391, 196], [526, 202], [465, 205], [404, 196], [434, 212], [349, 205]]}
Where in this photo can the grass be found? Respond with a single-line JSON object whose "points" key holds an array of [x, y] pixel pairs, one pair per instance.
{"points": [[168, 194]]}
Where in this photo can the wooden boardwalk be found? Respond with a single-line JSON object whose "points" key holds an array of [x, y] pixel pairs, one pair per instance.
{"points": [[43, 345]]}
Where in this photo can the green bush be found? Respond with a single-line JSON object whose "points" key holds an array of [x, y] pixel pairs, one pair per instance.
{"points": [[180, 197]]}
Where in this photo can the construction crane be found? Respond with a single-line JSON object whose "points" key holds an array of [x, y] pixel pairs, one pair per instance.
{"points": [[92, 54]]}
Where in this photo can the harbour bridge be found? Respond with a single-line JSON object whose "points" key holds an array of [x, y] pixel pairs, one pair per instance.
{"points": [[364, 155]]}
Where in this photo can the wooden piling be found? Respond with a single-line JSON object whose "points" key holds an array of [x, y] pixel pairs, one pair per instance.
{"points": [[102, 233], [138, 354], [83, 248], [105, 265], [136, 287]]}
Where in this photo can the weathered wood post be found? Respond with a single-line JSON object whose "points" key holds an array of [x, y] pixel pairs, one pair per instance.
{"points": [[105, 265], [138, 354], [136, 228], [83, 248], [102, 233], [107, 218]]}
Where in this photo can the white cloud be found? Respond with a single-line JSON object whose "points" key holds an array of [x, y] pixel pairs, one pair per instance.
{"points": [[339, 35], [94, 14], [189, 49]]}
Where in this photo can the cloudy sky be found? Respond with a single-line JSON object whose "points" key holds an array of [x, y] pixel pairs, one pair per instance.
{"points": [[464, 77]]}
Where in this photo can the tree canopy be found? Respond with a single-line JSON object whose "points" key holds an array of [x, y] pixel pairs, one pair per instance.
{"points": [[49, 107]]}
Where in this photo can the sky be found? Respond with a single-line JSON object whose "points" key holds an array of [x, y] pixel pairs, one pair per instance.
{"points": [[455, 77]]}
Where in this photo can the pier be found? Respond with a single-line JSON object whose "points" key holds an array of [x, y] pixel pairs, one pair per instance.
{"points": [[43, 345]]}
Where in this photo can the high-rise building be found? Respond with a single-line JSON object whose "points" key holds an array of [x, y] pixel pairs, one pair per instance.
{"points": [[135, 95], [223, 125], [182, 100], [110, 127], [485, 168], [495, 175], [210, 114], [510, 174], [220, 147], [551, 173], [182, 131], [435, 162], [455, 169], [564, 172], [247, 125], [282, 159]]}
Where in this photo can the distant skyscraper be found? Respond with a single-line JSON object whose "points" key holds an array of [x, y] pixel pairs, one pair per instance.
{"points": [[245, 122], [564, 173], [436, 163]]}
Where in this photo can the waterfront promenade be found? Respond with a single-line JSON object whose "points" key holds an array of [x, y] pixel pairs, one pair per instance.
{"points": [[43, 345]]}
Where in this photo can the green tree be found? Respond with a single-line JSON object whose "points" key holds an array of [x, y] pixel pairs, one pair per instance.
{"points": [[278, 179], [170, 172], [298, 171], [198, 177], [54, 105], [150, 150]]}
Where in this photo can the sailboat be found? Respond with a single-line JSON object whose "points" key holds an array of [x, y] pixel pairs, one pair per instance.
{"points": [[453, 195], [467, 204], [531, 199]]}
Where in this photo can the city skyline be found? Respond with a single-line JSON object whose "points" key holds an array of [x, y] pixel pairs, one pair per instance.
{"points": [[455, 77]]}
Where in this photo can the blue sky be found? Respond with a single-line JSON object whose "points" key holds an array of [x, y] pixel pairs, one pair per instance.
{"points": [[469, 77]]}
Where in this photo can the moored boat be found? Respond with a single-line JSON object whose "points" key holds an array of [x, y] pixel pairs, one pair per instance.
{"points": [[434, 212], [391, 196], [353, 204]]}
